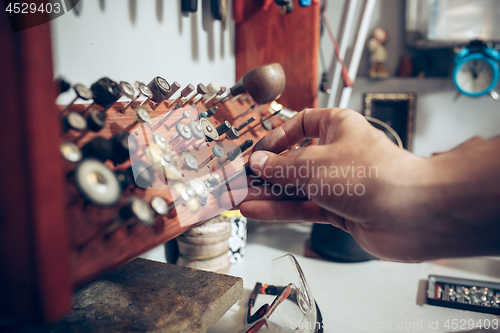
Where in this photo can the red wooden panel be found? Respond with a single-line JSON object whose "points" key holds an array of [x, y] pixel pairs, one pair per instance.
{"points": [[35, 280], [291, 40]]}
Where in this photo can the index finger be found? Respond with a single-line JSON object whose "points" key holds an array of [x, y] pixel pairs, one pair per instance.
{"points": [[306, 124]]}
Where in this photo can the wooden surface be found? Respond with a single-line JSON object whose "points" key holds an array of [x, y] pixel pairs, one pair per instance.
{"points": [[291, 40], [35, 278], [149, 296]]}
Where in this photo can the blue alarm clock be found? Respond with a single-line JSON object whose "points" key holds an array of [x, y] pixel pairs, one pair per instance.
{"points": [[476, 71]]}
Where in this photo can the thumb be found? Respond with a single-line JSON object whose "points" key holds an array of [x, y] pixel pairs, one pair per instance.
{"points": [[286, 169]]}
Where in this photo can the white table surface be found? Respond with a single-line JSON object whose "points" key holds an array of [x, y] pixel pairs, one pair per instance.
{"points": [[356, 297]]}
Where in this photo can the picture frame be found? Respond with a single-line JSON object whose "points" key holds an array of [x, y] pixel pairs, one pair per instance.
{"points": [[397, 110]]}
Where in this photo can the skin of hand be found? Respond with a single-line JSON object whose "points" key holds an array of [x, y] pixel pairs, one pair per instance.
{"points": [[402, 207]]}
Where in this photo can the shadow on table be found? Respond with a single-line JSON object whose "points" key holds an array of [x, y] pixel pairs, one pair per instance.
{"points": [[234, 319], [290, 237]]}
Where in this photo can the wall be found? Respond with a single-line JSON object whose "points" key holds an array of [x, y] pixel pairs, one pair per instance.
{"points": [[441, 123], [137, 40]]}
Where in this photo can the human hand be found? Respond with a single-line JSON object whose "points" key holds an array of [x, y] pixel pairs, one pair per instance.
{"points": [[355, 179]]}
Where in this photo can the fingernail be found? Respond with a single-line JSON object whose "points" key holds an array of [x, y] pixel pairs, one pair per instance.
{"points": [[258, 158]]}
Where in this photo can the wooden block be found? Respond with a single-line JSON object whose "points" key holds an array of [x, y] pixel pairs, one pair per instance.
{"points": [[149, 296]]}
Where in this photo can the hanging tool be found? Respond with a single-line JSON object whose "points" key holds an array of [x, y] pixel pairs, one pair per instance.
{"points": [[219, 9], [189, 5]]}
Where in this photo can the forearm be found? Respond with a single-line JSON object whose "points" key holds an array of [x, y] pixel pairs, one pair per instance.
{"points": [[458, 201], [412, 209], [467, 182], [444, 206]]}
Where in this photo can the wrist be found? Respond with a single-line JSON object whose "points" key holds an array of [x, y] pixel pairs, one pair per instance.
{"points": [[411, 189]]}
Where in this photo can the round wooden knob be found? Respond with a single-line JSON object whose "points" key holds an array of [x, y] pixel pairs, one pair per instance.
{"points": [[264, 83]]}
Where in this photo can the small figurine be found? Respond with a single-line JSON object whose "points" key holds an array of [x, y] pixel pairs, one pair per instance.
{"points": [[378, 54]]}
